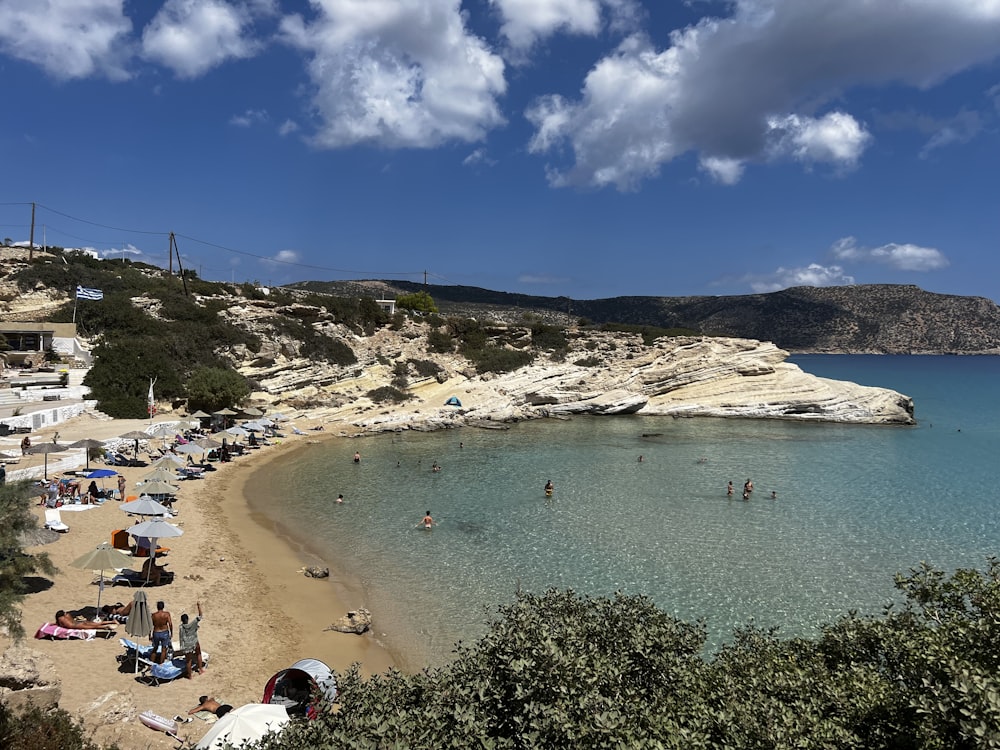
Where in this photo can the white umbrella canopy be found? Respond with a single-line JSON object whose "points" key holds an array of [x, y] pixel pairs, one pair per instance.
{"points": [[237, 431], [102, 557], [244, 724], [160, 474], [154, 530], [156, 487], [145, 506], [191, 448], [168, 461]]}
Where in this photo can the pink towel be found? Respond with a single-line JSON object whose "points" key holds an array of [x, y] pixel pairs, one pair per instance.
{"points": [[55, 631]]}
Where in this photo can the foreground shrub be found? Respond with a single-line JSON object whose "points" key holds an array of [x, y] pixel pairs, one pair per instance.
{"points": [[41, 729], [387, 393], [561, 671]]}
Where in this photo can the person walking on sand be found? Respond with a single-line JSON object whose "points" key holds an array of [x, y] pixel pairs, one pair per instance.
{"points": [[121, 487], [190, 646], [163, 628]]}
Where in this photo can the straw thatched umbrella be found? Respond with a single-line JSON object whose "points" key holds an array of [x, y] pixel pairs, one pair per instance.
{"points": [[46, 449], [87, 444]]}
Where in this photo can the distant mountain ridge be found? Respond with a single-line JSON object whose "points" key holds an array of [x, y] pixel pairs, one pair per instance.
{"points": [[875, 318]]}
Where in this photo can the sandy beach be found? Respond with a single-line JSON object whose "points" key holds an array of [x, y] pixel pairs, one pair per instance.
{"points": [[261, 614]]}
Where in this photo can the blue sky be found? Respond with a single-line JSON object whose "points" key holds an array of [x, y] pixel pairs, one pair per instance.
{"points": [[587, 148]]}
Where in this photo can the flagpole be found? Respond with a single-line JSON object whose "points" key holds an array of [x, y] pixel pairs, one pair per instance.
{"points": [[76, 300]]}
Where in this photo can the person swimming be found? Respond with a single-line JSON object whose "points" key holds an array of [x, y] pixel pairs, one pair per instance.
{"points": [[549, 488], [428, 521]]}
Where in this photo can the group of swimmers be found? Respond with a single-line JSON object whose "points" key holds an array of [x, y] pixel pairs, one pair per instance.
{"points": [[747, 490]]}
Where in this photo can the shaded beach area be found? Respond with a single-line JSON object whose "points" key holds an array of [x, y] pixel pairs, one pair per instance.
{"points": [[261, 613]]}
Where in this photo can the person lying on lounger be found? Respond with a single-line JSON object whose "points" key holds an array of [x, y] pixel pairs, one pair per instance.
{"points": [[118, 612], [65, 620], [152, 572]]}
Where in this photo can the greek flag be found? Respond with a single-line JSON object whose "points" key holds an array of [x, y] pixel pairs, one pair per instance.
{"points": [[83, 292]]}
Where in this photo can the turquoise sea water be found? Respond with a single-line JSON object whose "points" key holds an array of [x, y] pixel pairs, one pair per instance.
{"points": [[855, 505]]}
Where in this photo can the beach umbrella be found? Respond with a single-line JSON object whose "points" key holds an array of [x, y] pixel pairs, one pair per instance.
{"points": [[237, 431], [253, 426], [140, 620], [156, 487], [101, 474], [224, 413], [145, 506], [102, 557], [169, 461], [87, 444], [153, 531], [207, 443], [190, 448], [251, 411], [160, 474], [245, 724], [200, 415], [135, 435], [45, 449]]}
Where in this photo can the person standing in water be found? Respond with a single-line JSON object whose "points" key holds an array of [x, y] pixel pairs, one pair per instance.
{"points": [[357, 457], [729, 490], [549, 488], [428, 521]]}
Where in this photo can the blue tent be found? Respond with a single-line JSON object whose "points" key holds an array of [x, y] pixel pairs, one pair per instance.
{"points": [[453, 401]]}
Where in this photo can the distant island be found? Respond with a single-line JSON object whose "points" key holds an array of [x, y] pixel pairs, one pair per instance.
{"points": [[860, 319]]}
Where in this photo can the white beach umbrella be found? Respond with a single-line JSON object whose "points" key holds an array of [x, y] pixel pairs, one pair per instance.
{"points": [[156, 487], [145, 506], [244, 724], [191, 448], [102, 557], [160, 474], [153, 531], [169, 461]]}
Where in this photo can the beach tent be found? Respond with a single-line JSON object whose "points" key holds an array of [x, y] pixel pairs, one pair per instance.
{"points": [[247, 723], [295, 687], [453, 401]]}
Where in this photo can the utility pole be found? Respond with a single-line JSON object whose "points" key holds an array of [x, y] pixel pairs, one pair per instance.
{"points": [[31, 239], [425, 278]]}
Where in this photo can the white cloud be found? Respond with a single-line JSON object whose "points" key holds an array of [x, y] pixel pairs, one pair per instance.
{"points": [[836, 138], [479, 156], [248, 118], [68, 39], [397, 73], [902, 257], [527, 22], [725, 171], [812, 275], [755, 85], [288, 127], [193, 36], [282, 257]]}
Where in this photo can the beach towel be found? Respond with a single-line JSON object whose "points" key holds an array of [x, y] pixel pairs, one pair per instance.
{"points": [[50, 630]]}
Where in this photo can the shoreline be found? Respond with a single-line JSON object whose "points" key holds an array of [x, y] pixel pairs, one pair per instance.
{"points": [[261, 614], [316, 602]]}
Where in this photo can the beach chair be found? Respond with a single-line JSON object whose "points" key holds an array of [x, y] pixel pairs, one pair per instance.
{"points": [[133, 651], [136, 579], [56, 632], [53, 520], [155, 674]]}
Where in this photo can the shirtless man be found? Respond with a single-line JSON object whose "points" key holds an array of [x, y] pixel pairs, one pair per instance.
{"points": [[428, 522], [163, 628], [64, 620], [211, 704]]}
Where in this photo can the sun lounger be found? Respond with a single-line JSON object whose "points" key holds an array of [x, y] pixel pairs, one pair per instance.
{"points": [[55, 632], [155, 674], [135, 578], [53, 520]]}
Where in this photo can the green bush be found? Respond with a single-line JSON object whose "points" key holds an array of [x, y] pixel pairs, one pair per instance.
{"points": [[214, 388], [43, 729], [418, 301], [425, 368], [440, 342], [387, 393], [562, 671], [496, 359], [545, 336]]}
